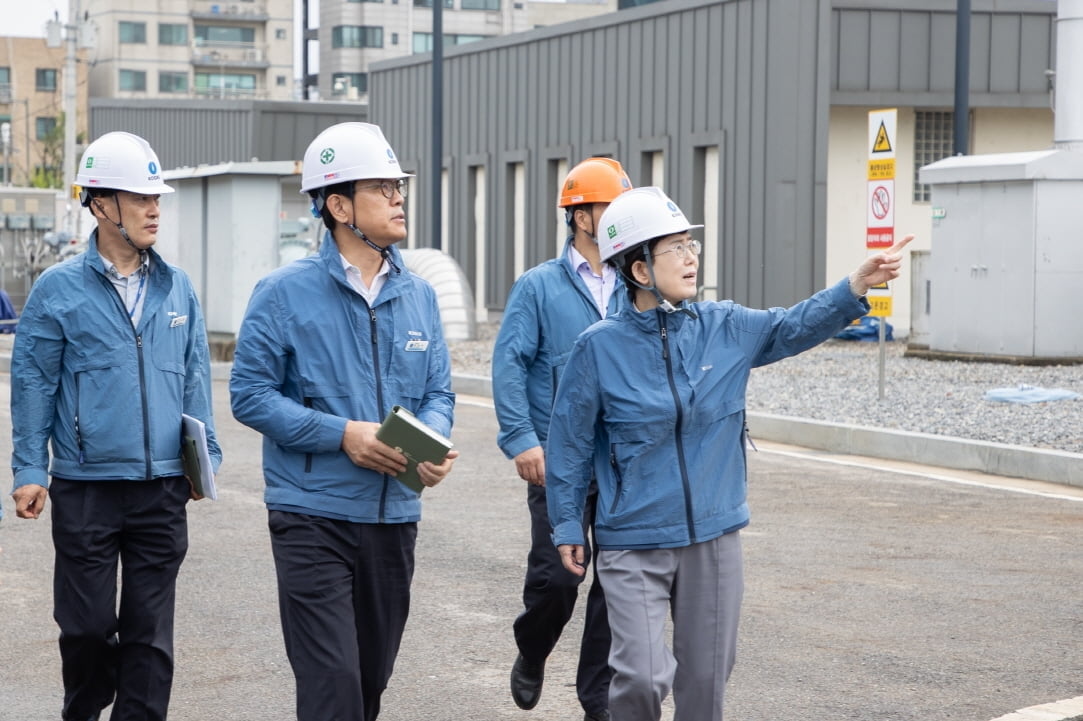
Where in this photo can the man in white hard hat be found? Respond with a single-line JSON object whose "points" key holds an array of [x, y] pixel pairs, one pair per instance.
{"points": [[111, 351], [548, 307], [328, 345]]}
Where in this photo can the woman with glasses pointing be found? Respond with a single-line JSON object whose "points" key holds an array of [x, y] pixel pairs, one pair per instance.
{"points": [[657, 415], [328, 345]]}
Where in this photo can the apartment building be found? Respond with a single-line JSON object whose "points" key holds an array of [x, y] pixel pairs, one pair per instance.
{"points": [[32, 103], [192, 48], [353, 34]]}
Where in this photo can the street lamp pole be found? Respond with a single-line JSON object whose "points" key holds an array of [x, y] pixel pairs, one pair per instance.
{"points": [[70, 43]]}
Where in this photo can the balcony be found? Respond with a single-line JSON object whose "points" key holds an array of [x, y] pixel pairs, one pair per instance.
{"points": [[230, 55], [245, 12]]}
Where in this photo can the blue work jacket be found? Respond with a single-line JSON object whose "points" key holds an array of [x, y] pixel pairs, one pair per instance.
{"points": [[311, 355], [653, 407], [548, 307], [107, 394]]}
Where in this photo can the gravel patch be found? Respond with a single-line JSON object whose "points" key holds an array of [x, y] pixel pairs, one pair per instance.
{"points": [[839, 382]]}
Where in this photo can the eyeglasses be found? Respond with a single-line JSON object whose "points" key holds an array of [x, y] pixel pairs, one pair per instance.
{"points": [[388, 187], [683, 250]]}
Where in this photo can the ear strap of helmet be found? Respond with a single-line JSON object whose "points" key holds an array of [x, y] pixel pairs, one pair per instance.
{"points": [[384, 252], [120, 216], [653, 287]]}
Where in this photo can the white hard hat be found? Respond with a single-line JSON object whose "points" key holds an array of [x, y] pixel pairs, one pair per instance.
{"points": [[349, 151], [637, 216], [121, 161]]}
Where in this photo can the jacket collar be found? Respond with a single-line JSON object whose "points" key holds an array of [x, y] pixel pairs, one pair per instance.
{"points": [[650, 321], [95, 260], [332, 260]]}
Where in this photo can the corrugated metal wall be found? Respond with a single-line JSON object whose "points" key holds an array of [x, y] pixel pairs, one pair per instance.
{"points": [[195, 132], [746, 76], [894, 54]]}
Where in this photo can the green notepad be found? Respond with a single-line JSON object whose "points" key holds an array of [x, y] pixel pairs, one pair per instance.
{"points": [[409, 436]]}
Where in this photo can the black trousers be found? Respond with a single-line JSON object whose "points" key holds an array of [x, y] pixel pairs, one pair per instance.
{"points": [[106, 654], [343, 597], [549, 595]]}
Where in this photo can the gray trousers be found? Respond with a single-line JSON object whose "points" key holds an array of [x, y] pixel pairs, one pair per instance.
{"points": [[701, 586]]}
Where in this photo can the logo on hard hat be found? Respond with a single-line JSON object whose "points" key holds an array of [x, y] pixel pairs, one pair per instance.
{"points": [[612, 230], [673, 208], [390, 155], [327, 155], [625, 183], [152, 168], [90, 161]]}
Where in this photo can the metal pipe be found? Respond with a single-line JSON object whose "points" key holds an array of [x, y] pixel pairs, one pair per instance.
{"points": [[961, 115], [437, 164], [1068, 94]]}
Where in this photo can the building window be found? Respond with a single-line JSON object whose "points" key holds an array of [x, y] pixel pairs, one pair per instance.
{"points": [[172, 34], [224, 35], [280, 33], [132, 80], [428, 4], [423, 41], [349, 85], [5, 76], [43, 127], [45, 80], [480, 4], [222, 85], [357, 36], [280, 81], [394, 38], [132, 33], [932, 142], [172, 82], [365, 1]]}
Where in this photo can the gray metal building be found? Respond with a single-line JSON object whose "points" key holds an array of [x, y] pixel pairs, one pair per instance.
{"points": [[198, 132], [724, 103]]}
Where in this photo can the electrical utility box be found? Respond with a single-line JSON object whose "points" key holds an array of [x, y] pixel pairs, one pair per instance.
{"points": [[1006, 267]]}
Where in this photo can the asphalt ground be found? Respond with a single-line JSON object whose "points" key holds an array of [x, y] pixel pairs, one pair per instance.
{"points": [[876, 590]]}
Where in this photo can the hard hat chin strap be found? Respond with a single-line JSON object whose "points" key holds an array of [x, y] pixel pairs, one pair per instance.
{"points": [[384, 252], [120, 225], [664, 304]]}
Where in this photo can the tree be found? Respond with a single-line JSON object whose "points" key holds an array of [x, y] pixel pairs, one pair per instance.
{"points": [[49, 173]]}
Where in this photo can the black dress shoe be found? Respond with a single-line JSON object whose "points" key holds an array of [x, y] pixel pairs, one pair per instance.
{"points": [[526, 682], [602, 715]]}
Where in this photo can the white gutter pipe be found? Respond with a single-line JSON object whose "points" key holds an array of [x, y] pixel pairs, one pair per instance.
{"points": [[1068, 117]]}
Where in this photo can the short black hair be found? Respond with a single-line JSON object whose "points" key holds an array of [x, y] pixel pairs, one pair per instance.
{"points": [[345, 189], [89, 194]]}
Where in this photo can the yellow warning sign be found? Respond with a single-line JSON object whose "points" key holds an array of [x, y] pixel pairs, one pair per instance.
{"points": [[879, 306], [883, 142], [882, 169]]}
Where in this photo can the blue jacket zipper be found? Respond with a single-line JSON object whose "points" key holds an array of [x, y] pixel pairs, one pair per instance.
{"points": [[689, 517]]}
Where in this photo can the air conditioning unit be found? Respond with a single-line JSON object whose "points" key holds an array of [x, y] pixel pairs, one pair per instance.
{"points": [[253, 55]]}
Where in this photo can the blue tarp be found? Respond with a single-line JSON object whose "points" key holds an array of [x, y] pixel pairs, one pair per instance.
{"points": [[865, 328], [7, 312], [1029, 394]]}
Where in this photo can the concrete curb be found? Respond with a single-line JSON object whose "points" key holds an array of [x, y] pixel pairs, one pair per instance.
{"points": [[1067, 710], [996, 459]]}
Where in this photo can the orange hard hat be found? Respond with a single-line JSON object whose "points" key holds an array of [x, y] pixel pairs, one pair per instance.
{"points": [[595, 180]]}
